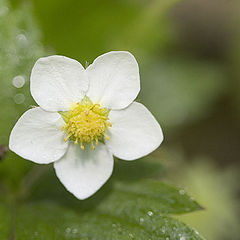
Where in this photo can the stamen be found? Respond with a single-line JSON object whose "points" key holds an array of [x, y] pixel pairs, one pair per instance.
{"points": [[82, 147], [68, 136], [93, 147], [106, 136], [86, 122]]}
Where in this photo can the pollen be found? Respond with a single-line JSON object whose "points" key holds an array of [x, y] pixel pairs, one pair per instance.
{"points": [[86, 123]]}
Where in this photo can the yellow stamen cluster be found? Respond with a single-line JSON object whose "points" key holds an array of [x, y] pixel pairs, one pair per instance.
{"points": [[86, 123]]}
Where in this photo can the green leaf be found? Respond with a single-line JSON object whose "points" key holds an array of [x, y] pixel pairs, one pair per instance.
{"points": [[135, 208], [131, 196], [146, 196], [49, 220], [131, 193]]}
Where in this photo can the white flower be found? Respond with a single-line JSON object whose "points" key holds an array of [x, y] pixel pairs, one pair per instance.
{"points": [[85, 117]]}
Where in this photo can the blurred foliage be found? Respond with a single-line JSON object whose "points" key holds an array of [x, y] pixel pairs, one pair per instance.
{"points": [[103, 25], [189, 57], [188, 87], [92, 225], [216, 190], [234, 58], [20, 47]]}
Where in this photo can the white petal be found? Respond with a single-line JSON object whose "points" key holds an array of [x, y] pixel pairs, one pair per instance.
{"points": [[134, 132], [83, 172], [114, 80], [57, 82], [37, 136]]}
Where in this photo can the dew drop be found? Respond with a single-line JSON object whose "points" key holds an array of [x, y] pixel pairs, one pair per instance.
{"points": [[182, 238], [163, 230], [119, 230], [68, 230], [196, 232], [141, 220], [182, 192], [22, 39], [150, 213], [131, 235], [18, 81], [74, 231], [19, 98]]}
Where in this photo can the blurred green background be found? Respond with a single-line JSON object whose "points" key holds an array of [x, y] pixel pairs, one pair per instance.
{"points": [[189, 57]]}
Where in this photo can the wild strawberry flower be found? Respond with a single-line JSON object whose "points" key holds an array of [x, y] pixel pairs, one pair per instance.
{"points": [[85, 116]]}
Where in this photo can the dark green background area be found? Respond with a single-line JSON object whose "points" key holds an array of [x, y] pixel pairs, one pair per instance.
{"points": [[84, 29]]}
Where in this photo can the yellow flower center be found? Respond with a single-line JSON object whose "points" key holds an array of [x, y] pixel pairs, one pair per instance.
{"points": [[86, 123]]}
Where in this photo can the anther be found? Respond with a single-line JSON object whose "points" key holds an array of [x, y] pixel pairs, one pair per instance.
{"points": [[82, 147], [93, 147], [86, 123], [106, 136], [68, 136]]}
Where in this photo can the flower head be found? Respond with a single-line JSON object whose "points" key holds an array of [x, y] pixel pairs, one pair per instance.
{"points": [[86, 122], [85, 116]]}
